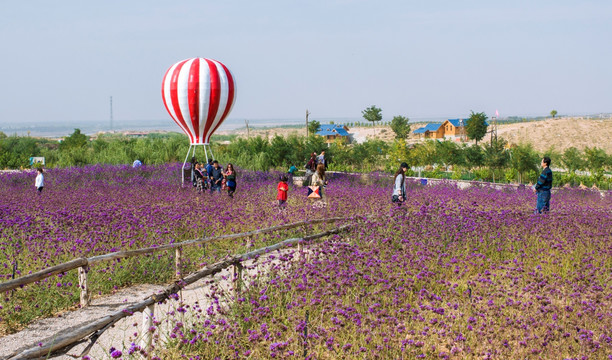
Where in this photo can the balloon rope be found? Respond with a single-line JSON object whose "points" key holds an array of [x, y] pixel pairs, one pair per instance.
{"points": [[210, 149]]}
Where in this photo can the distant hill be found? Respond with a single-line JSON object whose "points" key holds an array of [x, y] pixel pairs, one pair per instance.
{"points": [[561, 133]]}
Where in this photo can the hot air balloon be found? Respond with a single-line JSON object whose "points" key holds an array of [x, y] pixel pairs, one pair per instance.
{"points": [[199, 94]]}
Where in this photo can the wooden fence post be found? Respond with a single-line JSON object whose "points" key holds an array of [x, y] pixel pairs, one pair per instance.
{"points": [[238, 277], [147, 323], [178, 261], [85, 296]]}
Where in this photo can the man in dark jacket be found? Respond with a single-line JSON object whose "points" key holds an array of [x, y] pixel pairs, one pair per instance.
{"points": [[208, 169], [216, 177], [543, 186]]}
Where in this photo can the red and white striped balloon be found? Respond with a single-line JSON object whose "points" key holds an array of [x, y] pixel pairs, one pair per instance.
{"points": [[199, 94]]}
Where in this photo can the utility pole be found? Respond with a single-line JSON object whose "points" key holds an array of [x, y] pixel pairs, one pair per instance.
{"points": [[111, 113], [307, 113], [247, 126]]}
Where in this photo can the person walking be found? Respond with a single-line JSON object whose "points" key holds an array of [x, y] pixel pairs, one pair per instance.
{"points": [[319, 179], [399, 187], [40, 180], [543, 186], [230, 180], [216, 177]]}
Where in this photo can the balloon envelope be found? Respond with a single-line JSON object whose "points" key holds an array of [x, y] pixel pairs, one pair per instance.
{"points": [[199, 94]]}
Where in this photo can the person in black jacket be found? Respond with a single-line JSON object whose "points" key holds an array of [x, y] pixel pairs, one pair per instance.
{"points": [[543, 187], [216, 177]]}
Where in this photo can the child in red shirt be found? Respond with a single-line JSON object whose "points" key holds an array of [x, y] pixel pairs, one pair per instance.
{"points": [[282, 188]]}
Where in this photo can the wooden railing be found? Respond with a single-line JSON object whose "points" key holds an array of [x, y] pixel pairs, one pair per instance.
{"points": [[83, 264], [64, 341]]}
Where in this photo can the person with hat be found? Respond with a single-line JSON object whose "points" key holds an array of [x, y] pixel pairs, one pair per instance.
{"points": [[399, 188]]}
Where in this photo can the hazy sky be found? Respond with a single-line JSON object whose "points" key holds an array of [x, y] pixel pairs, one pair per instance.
{"points": [[62, 60]]}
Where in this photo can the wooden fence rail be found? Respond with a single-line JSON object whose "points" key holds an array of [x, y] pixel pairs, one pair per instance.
{"points": [[62, 342], [85, 263]]}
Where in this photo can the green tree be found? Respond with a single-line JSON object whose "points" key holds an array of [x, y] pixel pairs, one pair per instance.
{"points": [[596, 158], [372, 114], [313, 127], [553, 113], [278, 151], [400, 127], [398, 153], [476, 126], [75, 140], [552, 153], [474, 156], [448, 153], [524, 158], [423, 154], [572, 160], [496, 156]]}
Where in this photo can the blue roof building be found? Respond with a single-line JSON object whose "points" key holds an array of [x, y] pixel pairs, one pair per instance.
{"points": [[451, 128], [426, 128], [333, 131]]}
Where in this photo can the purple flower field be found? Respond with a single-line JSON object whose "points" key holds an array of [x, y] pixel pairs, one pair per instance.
{"points": [[452, 274], [457, 274], [95, 210]]}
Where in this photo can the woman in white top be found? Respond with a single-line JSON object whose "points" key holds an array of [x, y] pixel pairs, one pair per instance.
{"points": [[318, 179], [399, 188], [40, 180]]}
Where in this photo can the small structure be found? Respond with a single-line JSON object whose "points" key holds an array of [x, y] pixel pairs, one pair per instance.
{"points": [[430, 131], [331, 132], [454, 127], [449, 129], [37, 161]]}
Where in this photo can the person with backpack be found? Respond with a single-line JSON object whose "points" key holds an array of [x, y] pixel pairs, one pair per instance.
{"points": [[311, 167]]}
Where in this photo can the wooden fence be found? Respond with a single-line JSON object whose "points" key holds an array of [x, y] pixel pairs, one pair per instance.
{"points": [[64, 341], [83, 264]]}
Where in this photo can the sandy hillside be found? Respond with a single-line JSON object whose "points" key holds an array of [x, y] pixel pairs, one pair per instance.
{"points": [[561, 133]]}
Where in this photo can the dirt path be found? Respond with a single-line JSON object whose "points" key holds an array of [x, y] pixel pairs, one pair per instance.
{"points": [[126, 331]]}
